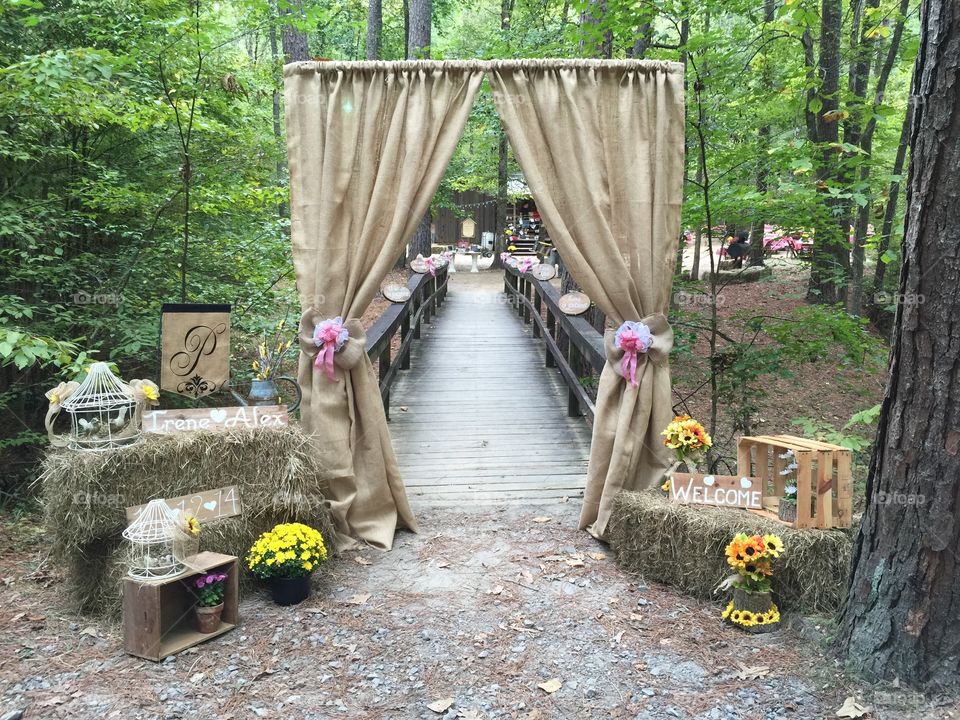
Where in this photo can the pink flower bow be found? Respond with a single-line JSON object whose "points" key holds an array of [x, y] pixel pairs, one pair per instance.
{"points": [[431, 266], [632, 338], [504, 256], [329, 336], [526, 264]]}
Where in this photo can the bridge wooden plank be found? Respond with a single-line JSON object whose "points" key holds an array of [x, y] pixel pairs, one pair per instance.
{"points": [[484, 420]]}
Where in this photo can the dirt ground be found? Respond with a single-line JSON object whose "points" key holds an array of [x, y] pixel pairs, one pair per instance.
{"points": [[470, 617]]}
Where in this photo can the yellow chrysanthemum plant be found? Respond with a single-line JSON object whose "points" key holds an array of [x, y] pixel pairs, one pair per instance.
{"points": [[289, 550], [752, 557], [689, 440]]}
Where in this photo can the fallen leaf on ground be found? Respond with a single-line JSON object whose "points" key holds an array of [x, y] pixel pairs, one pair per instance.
{"points": [[361, 560], [754, 672], [598, 556], [197, 677], [636, 616], [852, 709], [618, 637], [91, 631], [17, 616], [575, 562], [403, 408], [442, 705], [496, 590], [314, 611], [50, 702], [358, 599], [550, 686], [36, 618], [541, 519], [469, 715], [266, 672], [443, 564], [525, 576]]}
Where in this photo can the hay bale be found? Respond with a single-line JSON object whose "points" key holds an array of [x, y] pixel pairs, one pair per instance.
{"points": [[684, 547], [85, 496]]}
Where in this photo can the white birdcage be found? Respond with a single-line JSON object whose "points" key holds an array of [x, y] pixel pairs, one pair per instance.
{"points": [[103, 411], [158, 545]]}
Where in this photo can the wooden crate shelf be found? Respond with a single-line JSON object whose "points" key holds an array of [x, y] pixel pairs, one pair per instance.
{"points": [[823, 477], [158, 615]]}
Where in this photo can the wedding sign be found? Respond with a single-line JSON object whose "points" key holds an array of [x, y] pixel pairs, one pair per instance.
{"points": [[194, 349], [574, 303], [734, 491], [204, 506], [544, 271], [165, 422]]}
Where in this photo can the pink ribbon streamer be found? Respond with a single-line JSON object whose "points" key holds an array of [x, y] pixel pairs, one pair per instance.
{"points": [[633, 338], [329, 336], [526, 264], [431, 266]]}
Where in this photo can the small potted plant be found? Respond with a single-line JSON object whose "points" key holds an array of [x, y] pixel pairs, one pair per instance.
{"points": [[285, 557], [752, 607], [209, 589], [787, 508]]}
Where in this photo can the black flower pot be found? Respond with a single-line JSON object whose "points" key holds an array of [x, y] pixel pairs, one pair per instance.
{"points": [[290, 591]]}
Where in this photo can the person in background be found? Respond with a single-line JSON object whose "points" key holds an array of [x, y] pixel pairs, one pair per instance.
{"points": [[738, 249]]}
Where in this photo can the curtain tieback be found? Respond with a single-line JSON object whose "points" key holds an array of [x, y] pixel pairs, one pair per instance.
{"points": [[633, 343], [332, 342]]}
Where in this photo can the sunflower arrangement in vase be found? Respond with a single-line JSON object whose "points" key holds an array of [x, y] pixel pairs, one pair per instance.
{"points": [[689, 440], [752, 607]]}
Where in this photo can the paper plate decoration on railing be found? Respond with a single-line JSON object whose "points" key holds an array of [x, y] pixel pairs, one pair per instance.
{"points": [[159, 546], [419, 265], [545, 271], [104, 411], [395, 292], [574, 303]]}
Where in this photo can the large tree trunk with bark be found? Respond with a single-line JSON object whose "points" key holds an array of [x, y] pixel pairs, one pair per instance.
{"points": [[374, 29], [418, 48], [831, 254], [500, 214], [295, 45], [590, 19], [904, 602], [893, 197]]}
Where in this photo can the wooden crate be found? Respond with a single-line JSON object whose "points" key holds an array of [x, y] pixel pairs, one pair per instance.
{"points": [[158, 615], [823, 477]]}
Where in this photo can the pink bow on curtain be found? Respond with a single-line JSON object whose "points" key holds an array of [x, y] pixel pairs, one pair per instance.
{"points": [[330, 336], [632, 338], [431, 266], [526, 264]]}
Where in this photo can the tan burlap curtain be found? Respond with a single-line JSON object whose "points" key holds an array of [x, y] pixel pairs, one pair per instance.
{"points": [[601, 147], [368, 145]]}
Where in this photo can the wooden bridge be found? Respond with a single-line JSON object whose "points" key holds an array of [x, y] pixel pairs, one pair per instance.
{"points": [[482, 412]]}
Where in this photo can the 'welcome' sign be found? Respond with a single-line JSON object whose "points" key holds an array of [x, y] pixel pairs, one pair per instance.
{"points": [[721, 490]]}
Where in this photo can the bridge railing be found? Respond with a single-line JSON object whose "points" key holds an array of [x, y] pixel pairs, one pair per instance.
{"points": [[426, 295], [572, 345]]}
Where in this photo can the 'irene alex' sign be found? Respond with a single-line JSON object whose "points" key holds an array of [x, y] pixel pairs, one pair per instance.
{"points": [[721, 490], [215, 418]]}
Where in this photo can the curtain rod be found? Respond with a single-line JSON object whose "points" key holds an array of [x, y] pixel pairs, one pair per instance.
{"points": [[326, 66]]}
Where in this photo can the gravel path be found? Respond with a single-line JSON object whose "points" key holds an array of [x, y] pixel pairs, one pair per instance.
{"points": [[471, 617]]}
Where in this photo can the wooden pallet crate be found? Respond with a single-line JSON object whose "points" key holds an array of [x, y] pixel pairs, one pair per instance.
{"points": [[823, 477]]}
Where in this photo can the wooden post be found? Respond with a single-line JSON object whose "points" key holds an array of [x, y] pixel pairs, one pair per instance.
{"points": [[426, 301], [384, 369], [414, 307], [522, 292], [527, 291], [404, 332], [573, 359], [549, 360], [538, 306]]}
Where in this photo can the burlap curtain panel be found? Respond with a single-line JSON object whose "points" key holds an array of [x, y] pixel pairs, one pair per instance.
{"points": [[368, 145], [601, 146]]}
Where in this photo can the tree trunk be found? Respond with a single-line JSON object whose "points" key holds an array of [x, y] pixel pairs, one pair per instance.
{"points": [[374, 29], [893, 196], [295, 45], [500, 214], [904, 599], [831, 253], [763, 170], [642, 42], [593, 16], [277, 126], [420, 19]]}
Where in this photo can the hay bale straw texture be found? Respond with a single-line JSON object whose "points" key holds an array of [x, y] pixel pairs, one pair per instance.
{"points": [[684, 547], [85, 495]]}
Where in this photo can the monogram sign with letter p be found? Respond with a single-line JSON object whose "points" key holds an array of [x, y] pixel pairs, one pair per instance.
{"points": [[194, 349]]}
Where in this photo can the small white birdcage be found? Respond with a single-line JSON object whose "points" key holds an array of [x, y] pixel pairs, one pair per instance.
{"points": [[104, 412], [159, 546]]}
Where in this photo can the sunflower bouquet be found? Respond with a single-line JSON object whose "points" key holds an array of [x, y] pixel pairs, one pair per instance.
{"points": [[689, 440], [289, 550], [752, 556]]}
